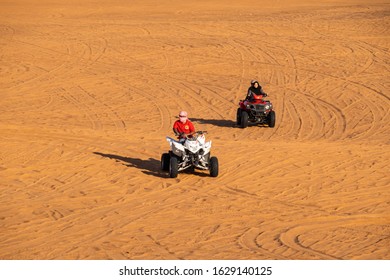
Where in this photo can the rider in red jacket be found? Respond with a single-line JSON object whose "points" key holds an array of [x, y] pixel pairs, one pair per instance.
{"points": [[183, 126]]}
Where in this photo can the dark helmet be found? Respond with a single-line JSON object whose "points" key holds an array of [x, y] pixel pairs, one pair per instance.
{"points": [[253, 82]]}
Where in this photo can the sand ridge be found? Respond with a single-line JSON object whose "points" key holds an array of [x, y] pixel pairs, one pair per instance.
{"points": [[89, 92]]}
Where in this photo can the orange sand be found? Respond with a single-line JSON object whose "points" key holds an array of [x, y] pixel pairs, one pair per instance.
{"points": [[89, 92]]}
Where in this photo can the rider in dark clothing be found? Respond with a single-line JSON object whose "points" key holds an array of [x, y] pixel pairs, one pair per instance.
{"points": [[256, 89]]}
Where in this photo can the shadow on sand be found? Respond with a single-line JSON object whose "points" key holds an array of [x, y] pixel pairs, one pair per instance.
{"points": [[221, 123], [149, 166]]}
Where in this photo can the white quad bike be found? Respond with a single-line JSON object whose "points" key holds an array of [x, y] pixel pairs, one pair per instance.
{"points": [[193, 152]]}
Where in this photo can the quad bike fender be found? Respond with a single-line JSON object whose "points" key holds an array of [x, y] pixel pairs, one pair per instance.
{"points": [[176, 147], [169, 139], [242, 105], [207, 147]]}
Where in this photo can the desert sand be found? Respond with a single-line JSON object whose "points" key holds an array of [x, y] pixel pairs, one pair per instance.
{"points": [[90, 91]]}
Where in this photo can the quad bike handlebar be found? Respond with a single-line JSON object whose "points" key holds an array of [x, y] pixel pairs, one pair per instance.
{"points": [[193, 134]]}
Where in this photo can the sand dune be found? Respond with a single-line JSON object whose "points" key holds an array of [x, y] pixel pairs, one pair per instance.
{"points": [[89, 92]]}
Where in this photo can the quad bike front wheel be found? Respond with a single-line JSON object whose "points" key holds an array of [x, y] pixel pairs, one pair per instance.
{"points": [[173, 167], [271, 119], [165, 159], [214, 166], [244, 119], [238, 118]]}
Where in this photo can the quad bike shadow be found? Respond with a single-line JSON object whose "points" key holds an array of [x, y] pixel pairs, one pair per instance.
{"points": [[220, 123], [150, 166]]}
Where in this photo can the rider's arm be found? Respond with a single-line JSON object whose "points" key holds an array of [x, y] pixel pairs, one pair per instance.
{"points": [[263, 93], [249, 96], [175, 129]]}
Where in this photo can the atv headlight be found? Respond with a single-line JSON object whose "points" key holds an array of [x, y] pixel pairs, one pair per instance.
{"points": [[266, 107], [248, 106]]}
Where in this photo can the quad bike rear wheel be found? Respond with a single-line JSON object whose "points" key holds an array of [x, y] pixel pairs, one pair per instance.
{"points": [[214, 166], [165, 159], [271, 119], [173, 167]]}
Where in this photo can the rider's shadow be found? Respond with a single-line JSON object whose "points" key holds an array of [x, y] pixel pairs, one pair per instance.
{"points": [[221, 123], [150, 166]]}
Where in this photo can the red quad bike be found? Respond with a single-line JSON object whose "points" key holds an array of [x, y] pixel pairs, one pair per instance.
{"points": [[256, 111]]}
